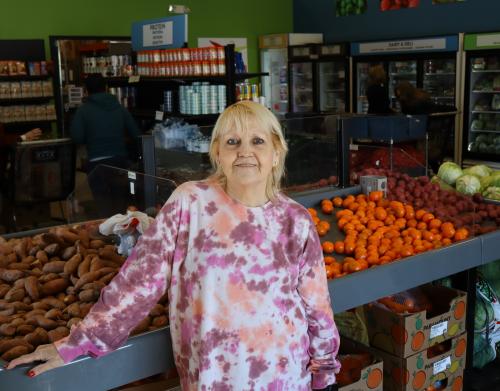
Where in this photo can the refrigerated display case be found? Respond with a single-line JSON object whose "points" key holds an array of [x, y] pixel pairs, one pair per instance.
{"points": [[319, 79], [274, 61], [481, 132], [428, 63]]}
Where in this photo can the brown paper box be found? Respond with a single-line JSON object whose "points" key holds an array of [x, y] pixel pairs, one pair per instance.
{"points": [[403, 335]]}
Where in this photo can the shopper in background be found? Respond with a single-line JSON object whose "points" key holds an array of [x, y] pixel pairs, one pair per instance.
{"points": [[101, 124], [243, 266], [377, 92], [413, 100]]}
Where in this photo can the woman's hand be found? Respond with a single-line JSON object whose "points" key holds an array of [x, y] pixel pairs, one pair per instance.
{"points": [[46, 353], [33, 134]]}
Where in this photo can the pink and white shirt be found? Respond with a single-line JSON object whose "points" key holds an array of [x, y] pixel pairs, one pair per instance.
{"points": [[249, 306]]}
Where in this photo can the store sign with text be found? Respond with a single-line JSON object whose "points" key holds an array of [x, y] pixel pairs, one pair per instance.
{"points": [[162, 33], [402, 46], [488, 40], [157, 34]]}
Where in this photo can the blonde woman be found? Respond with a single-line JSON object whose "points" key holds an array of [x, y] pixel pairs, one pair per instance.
{"points": [[377, 92], [242, 263]]}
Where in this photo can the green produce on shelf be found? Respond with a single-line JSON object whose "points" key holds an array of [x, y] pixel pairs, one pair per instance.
{"points": [[490, 180], [351, 7], [492, 192], [468, 184], [479, 170], [442, 184], [449, 172]]}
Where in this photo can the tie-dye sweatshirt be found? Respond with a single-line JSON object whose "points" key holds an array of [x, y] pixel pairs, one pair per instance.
{"points": [[249, 306]]}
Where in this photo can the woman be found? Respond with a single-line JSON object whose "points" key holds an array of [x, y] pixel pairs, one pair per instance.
{"points": [[376, 92], [242, 263], [413, 100]]}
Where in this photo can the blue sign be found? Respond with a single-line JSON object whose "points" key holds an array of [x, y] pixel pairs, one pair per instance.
{"points": [[162, 33], [406, 46]]}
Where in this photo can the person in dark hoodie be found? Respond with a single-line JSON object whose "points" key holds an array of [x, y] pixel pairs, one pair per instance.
{"points": [[101, 124]]}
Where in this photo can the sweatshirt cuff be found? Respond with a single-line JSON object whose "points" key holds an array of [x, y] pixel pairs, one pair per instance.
{"points": [[67, 350], [76, 344], [322, 380]]}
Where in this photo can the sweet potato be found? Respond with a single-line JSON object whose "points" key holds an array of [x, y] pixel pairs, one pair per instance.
{"points": [[7, 344], [47, 324], [21, 306], [31, 287], [40, 305], [8, 311], [83, 235], [37, 337], [85, 309], [18, 283], [7, 330], [112, 255], [48, 277], [157, 310], [88, 295], [11, 275], [35, 272], [4, 319], [58, 333], [25, 329], [4, 261], [20, 248], [4, 288], [54, 267], [73, 322], [107, 278], [16, 352], [17, 322], [29, 259], [49, 238], [4, 304], [72, 264], [66, 235], [96, 244], [15, 294], [52, 249], [86, 278], [68, 252], [54, 314], [142, 326], [160, 321], [84, 266], [96, 264], [34, 313], [55, 286], [27, 300], [19, 266], [70, 299], [61, 296], [34, 249], [42, 256], [53, 302], [74, 310]]}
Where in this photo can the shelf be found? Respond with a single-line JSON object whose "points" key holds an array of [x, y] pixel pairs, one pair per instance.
{"points": [[37, 99], [404, 74], [484, 131], [147, 113], [24, 77], [487, 71], [485, 112], [337, 90], [28, 123], [442, 97], [184, 79], [485, 92], [441, 74], [243, 76]]}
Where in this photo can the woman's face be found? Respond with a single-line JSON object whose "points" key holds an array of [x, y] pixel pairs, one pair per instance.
{"points": [[247, 157]]}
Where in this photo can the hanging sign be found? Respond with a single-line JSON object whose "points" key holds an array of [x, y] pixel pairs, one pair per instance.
{"points": [[449, 43], [482, 41], [162, 33], [158, 34]]}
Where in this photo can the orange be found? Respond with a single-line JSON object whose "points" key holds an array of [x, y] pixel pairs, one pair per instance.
{"points": [[435, 223], [447, 230], [337, 202], [328, 247], [419, 213], [315, 220], [375, 196], [461, 234], [380, 213], [348, 248], [321, 230], [328, 260], [339, 247], [312, 211], [427, 217], [324, 224], [327, 208]]}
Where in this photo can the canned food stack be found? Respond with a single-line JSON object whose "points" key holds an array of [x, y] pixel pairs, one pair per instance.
{"points": [[202, 98], [167, 101], [247, 91], [111, 66], [125, 95], [208, 61]]}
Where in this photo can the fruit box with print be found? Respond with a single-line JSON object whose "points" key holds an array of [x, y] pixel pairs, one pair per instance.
{"points": [[362, 368], [404, 334], [441, 364]]}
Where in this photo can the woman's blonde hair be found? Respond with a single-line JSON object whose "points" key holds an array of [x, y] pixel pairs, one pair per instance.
{"points": [[376, 75], [240, 116]]}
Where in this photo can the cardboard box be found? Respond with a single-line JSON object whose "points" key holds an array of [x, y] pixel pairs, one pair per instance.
{"points": [[371, 376], [421, 370], [403, 335]]}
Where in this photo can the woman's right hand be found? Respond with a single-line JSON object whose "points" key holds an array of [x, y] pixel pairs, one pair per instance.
{"points": [[46, 353]]}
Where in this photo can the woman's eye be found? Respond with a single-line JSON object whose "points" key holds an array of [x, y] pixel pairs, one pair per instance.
{"points": [[258, 140], [232, 141]]}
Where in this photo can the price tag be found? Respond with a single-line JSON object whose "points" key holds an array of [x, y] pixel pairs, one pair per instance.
{"points": [[441, 365], [134, 79], [158, 115], [353, 147], [132, 188], [131, 175], [439, 329]]}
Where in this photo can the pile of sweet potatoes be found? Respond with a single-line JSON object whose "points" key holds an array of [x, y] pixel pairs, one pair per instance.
{"points": [[49, 282]]}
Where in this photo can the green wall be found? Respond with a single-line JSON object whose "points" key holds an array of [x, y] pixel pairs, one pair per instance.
{"points": [[215, 18]]}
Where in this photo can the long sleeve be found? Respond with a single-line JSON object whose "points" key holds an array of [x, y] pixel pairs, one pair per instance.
{"points": [[77, 129], [130, 124], [130, 296], [323, 333]]}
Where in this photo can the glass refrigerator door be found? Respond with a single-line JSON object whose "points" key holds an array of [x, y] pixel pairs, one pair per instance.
{"points": [[400, 71], [331, 83], [275, 86], [439, 80], [484, 105], [362, 78], [302, 87]]}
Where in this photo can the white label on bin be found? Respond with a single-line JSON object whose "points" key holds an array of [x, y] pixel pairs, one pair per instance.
{"points": [[353, 147], [132, 188], [158, 115], [134, 79], [439, 329], [131, 175], [441, 365]]}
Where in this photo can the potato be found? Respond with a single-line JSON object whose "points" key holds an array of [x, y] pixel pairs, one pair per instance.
{"points": [[142, 326], [11, 275], [7, 330], [54, 267], [42, 256], [54, 286], [160, 321], [52, 249], [37, 337], [73, 322], [68, 252], [71, 265], [15, 294], [53, 302], [54, 314], [15, 352], [31, 287], [25, 329], [58, 333], [84, 266], [48, 277]]}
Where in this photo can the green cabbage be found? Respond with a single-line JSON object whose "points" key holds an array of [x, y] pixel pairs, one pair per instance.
{"points": [[468, 184], [449, 172], [491, 180], [492, 192], [442, 184], [479, 170]]}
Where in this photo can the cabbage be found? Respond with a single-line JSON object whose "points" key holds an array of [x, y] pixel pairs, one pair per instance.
{"points": [[449, 172], [491, 180], [468, 184], [442, 184], [479, 170], [492, 192]]}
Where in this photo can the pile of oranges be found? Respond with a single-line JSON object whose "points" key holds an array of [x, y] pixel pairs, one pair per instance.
{"points": [[378, 231]]}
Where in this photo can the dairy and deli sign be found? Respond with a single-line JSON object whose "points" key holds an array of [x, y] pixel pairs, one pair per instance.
{"points": [[162, 33], [402, 46]]}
